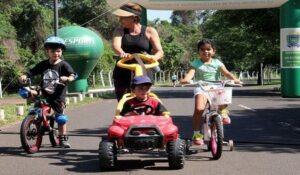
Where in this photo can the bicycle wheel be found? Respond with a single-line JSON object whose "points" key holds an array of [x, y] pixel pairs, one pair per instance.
{"points": [[31, 134], [53, 133], [216, 140]]}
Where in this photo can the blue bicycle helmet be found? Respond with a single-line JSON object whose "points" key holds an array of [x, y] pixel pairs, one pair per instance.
{"points": [[55, 42], [24, 93]]}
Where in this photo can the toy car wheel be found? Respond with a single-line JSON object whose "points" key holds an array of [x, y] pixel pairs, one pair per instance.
{"points": [[176, 153], [107, 155]]}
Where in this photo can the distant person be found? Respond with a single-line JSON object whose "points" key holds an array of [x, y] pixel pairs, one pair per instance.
{"points": [[51, 68], [208, 69], [132, 37], [174, 79]]}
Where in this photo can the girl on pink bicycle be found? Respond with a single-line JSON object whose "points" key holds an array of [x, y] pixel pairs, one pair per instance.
{"points": [[207, 68]]}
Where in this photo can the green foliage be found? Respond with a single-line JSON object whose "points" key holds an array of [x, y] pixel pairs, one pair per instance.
{"points": [[245, 38], [172, 59], [106, 62], [8, 73], [179, 44], [7, 31], [33, 24], [28, 60], [92, 13]]}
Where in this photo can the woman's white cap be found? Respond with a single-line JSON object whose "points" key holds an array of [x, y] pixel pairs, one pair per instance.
{"points": [[126, 11]]}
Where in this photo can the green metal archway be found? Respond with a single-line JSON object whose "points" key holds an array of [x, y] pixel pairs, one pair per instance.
{"points": [[289, 32]]}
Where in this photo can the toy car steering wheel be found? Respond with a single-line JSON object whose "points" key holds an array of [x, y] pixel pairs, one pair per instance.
{"points": [[150, 63]]}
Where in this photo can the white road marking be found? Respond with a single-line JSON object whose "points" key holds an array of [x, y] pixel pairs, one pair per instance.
{"points": [[246, 107]]}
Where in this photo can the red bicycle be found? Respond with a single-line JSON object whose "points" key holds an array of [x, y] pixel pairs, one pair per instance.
{"points": [[38, 122]]}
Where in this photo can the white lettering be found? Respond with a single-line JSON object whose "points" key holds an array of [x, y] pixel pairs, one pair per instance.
{"points": [[80, 41]]}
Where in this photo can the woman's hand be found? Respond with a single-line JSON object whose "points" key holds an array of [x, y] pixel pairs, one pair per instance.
{"points": [[153, 57], [125, 55]]}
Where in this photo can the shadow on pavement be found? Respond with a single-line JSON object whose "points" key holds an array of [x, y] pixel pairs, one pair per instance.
{"points": [[274, 130], [265, 130], [88, 132]]}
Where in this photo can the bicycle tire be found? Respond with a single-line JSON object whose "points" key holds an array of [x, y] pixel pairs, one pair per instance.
{"points": [[216, 140], [53, 133], [31, 130]]}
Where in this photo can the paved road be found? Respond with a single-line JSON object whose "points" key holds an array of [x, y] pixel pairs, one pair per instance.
{"points": [[265, 128]]}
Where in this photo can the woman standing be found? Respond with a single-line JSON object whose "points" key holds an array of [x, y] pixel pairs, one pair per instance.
{"points": [[132, 37]]}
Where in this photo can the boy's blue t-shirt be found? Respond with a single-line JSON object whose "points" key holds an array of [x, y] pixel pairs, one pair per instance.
{"points": [[208, 72]]}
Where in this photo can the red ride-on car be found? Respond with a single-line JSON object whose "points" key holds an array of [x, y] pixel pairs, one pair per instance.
{"points": [[141, 133]]}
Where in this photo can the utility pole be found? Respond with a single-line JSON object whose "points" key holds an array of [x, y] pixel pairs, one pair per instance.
{"points": [[55, 18]]}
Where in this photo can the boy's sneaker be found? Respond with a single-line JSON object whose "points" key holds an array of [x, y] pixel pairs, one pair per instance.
{"points": [[198, 139], [63, 142], [224, 113]]}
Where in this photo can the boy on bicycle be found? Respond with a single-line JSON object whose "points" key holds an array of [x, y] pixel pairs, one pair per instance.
{"points": [[55, 73], [207, 68], [143, 103]]}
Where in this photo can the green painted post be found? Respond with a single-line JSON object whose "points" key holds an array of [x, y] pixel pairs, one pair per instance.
{"points": [[290, 48]]}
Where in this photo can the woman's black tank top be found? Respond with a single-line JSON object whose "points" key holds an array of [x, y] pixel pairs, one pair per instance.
{"points": [[132, 44]]}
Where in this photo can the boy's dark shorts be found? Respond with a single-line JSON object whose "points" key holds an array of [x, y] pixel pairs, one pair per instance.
{"points": [[57, 105]]}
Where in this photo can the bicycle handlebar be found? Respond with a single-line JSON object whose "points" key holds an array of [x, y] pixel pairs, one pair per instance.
{"points": [[220, 83]]}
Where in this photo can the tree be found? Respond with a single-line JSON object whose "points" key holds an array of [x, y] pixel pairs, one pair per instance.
{"points": [[178, 42], [33, 24], [245, 38], [184, 17], [90, 13]]}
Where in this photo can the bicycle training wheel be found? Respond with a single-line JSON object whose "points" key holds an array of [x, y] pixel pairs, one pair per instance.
{"points": [[53, 133], [216, 140], [31, 134]]}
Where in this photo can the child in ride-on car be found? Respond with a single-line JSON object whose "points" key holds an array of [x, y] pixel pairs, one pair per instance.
{"points": [[143, 103]]}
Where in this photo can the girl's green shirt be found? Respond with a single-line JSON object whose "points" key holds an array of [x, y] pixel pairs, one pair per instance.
{"points": [[208, 72]]}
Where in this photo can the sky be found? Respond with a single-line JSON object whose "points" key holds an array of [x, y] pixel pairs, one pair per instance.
{"points": [[161, 14]]}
